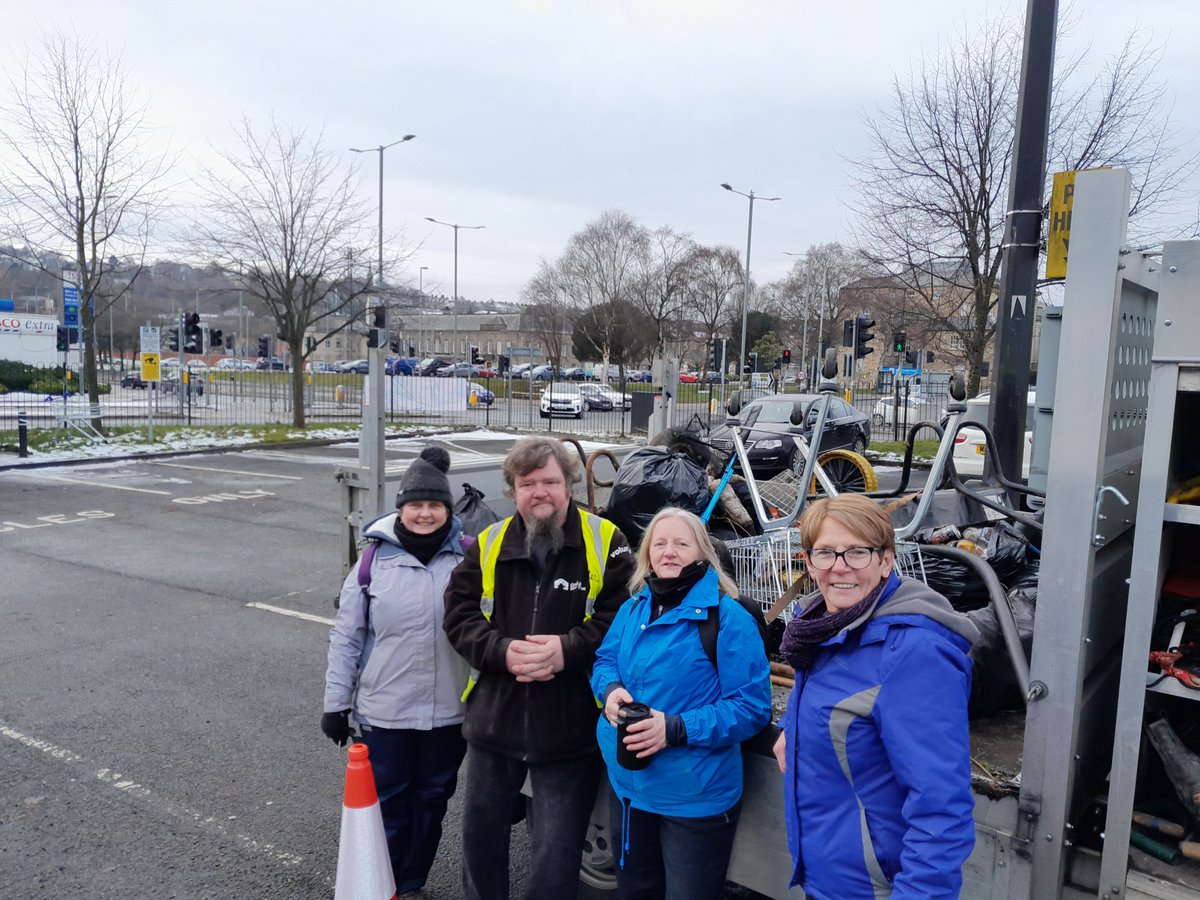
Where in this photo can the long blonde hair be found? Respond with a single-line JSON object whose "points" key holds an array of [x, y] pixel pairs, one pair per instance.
{"points": [[700, 535]]}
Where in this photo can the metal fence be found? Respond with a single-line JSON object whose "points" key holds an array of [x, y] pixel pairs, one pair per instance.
{"points": [[230, 397]]}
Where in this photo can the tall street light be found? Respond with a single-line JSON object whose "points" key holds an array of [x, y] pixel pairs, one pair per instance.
{"points": [[421, 280], [746, 287], [379, 150], [454, 354]]}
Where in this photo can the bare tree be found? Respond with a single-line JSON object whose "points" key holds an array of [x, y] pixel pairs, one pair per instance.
{"points": [[934, 184], [813, 295], [714, 289], [283, 222], [601, 266], [665, 270], [79, 180], [549, 311]]}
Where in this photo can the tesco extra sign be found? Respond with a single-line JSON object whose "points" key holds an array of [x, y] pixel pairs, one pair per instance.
{"points": [[19, 325]]}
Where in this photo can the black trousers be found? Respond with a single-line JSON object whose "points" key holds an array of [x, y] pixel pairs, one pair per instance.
{"points": [[415, 776], [557, 818], [672, 857]]}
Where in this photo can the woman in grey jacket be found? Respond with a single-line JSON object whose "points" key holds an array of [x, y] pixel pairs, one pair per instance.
{"points": [[390, 661]]}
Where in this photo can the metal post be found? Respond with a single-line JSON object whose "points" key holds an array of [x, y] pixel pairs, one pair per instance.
{"points": [[746, 283], [22, 434], [1022, 232], [454, 349]]}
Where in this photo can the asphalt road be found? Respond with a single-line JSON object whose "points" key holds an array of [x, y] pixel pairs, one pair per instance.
{"points": [[158, 735], [161, 661]]}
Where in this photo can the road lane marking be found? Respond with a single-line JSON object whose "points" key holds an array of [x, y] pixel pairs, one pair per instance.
{"points": [[229, 471], [115, 487], [463, 449], [131, 788], [308, 617]]}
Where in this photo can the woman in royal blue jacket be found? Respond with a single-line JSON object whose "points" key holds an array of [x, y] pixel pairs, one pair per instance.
{"points": [[874, 748], [675, 819]]}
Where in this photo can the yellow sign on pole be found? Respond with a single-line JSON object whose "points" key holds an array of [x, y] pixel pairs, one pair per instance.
{"points": [[1058, 235], [150, 367]]}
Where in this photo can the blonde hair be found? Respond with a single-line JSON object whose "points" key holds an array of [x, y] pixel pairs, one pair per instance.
{"points": [[859, 515], [699, 534]]}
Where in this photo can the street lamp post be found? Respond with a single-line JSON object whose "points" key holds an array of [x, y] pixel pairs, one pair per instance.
{"points": [[746, 286], [455, 226], [379, 150], [421, 281]]}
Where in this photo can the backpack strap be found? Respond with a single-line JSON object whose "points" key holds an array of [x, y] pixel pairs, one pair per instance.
{"points": [[364, 568], [709, 626]]}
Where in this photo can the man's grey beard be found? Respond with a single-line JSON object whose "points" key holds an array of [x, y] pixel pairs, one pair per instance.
{"points": [[543, 531]]}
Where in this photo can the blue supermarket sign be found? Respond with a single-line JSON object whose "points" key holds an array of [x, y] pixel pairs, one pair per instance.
{"points": [[70, 305]]}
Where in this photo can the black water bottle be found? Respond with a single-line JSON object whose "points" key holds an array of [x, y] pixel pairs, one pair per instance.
{"points": [[627, 714]]}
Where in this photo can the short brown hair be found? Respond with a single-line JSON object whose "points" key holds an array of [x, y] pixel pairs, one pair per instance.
{"points": [[533, 453], [857, 514]]}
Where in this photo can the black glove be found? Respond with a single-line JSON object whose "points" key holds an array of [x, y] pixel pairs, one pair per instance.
{"points": [[336, 726]]}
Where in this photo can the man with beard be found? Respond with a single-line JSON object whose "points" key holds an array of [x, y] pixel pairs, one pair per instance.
{"points": [[527, 608]]}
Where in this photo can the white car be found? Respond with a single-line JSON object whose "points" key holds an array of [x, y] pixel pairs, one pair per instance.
{"points": [[911, 411], [562, 400], [970, 448]]}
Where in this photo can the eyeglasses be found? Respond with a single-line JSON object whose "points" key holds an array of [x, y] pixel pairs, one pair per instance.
{"points": [[855, 557]]}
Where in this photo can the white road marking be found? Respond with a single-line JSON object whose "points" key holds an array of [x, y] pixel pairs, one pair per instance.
{"points": [[115, 487], [131, 788], [229, 471], [463, 449], [308, 617]]}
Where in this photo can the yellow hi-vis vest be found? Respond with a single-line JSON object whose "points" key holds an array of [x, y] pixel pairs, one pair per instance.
{"points": [[597, 541]]}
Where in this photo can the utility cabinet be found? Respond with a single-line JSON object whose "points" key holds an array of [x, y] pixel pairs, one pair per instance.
{"points": [[1166, 551]]}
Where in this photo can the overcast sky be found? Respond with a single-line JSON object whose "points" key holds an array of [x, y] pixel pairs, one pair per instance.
{"points": [[533, 117]]}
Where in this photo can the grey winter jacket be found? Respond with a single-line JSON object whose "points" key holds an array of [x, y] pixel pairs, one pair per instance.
{"points": [[389, 660]]}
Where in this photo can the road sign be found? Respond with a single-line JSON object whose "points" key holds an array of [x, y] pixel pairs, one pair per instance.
{"points": [[1058, 234], [70, 305], [150, 367], [150, 339]]}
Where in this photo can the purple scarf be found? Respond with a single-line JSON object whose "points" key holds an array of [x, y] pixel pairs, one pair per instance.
{"points": [[807, 631]]}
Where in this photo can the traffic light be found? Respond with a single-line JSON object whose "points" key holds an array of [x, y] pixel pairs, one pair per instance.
{"points": [[215, 338], [264, 347], [751, 361], [62, 340], [864, 336], [193, 337], [899, 342], [501, 363], [787, 357], [911, 358], [377, 334], [310, 343], [476, 359], [847, 333], [173, 338]]}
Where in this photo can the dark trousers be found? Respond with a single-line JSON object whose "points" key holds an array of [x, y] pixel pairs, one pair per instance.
{"points": [[415, 776], [670, 857], [557, 818]]}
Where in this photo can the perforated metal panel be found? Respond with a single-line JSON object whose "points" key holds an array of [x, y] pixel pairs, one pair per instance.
{"points": [[1130, 390]]}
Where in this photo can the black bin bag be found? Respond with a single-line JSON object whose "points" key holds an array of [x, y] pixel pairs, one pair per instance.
{"points": [[648, 480], [473, 512]]}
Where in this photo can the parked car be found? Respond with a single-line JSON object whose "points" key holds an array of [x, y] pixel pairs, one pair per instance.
{"points": [[910, 411], [771, 449], [274, 364], [543, 373], [355, 367], [430, 364], [319, 366], [562, 400], [714, 378], [170, 385], [232, 363], [487, 372], [615, 398], [400, 365], [521, 371], [575, 373], [133, 380], [688, 378], [458, 370], [483, 397], [970, 447]]}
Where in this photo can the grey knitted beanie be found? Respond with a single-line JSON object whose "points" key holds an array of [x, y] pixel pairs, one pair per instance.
{"points": [[426, 479]]}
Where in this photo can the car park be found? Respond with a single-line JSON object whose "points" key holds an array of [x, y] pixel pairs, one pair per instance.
{"points": [[615, 398], [561, 400], [970, 445], [771, 450]]}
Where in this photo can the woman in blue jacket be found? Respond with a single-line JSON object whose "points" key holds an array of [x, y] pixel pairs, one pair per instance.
{"points": [[874, 749], [677, 816]]}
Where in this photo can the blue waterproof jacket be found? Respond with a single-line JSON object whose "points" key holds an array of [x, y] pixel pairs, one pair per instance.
{"points": [[663, 664], [878, 786]]}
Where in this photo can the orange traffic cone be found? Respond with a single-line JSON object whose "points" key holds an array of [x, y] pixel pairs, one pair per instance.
{"points": [[364, 870]]}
